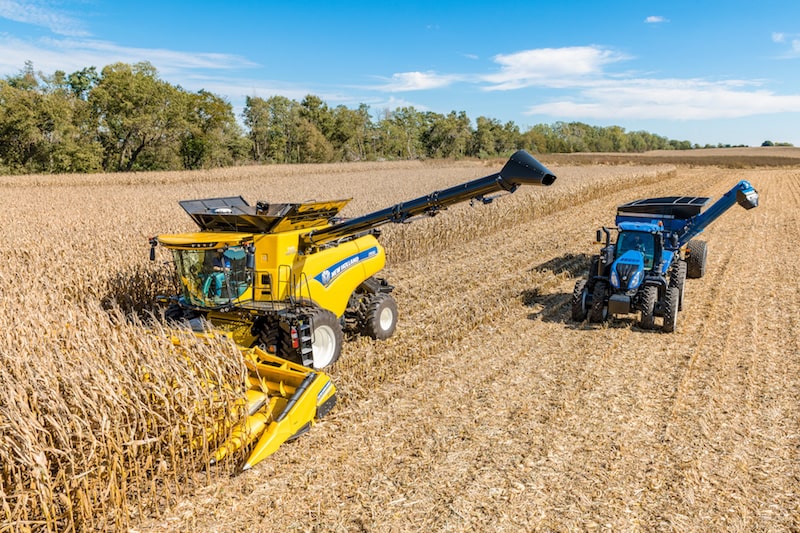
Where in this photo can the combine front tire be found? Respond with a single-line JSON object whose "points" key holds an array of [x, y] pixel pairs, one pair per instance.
{"points": [[381, 317], [696, 262], [579, 294], [599, 310], [649, 297], [326, 338], [671, 299]]}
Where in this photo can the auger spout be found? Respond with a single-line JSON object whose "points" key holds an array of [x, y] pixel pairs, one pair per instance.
{"points": [[521, 169]]}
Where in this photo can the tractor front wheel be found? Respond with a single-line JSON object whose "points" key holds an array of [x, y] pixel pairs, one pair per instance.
{"points": [[579, 294], [381, 317], [599, 310], [649, 297]]}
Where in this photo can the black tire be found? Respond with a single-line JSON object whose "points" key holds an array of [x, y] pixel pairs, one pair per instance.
{"points": [[381, 317], [671, 299], [649, 297], [593, 267], [173, 313], [696, 262], [579, 297], [599, 310], [677, 278], [326, 338]]}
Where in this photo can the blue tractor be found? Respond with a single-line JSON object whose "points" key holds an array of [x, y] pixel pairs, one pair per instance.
{"points": [[645, 270]]}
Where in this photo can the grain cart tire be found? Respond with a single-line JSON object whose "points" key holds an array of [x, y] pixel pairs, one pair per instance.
{"points": [[599, 310], [326, 338], [648, 303], [579, 294], [696, 263], [678, 279], [671, 299], [381, 317]]}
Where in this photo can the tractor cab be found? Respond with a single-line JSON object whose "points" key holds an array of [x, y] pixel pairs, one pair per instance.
{"points": [[637, 252]]}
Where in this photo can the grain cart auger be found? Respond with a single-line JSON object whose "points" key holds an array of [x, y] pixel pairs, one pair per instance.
{"points": [[645, 270], [289, 277]]}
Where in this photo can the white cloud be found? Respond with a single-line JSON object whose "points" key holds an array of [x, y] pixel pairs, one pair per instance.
{"points": [[416, 81], [41, 14], [778, 37], [49, 55], [549, 67], [671, 99], [655, 19]]}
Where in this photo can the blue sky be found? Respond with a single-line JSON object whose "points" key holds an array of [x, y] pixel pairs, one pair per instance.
{"points": [[705, 71]]}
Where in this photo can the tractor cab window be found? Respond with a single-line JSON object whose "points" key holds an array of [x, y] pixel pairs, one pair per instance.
{"points": [[640, 241], [212, 277]]}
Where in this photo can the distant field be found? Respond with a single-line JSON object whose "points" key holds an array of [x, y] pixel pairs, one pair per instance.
{"points": [[488, 410], [766, 156]]}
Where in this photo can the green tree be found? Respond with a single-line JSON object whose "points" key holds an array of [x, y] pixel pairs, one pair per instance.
{"points": [[212, 137], [447, 136], [353, 133], [140, 118], [400, 133], [492, 138]]}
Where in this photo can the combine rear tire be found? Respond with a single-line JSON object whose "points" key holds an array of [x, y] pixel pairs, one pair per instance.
{"points": [[696, 263], [579, 294], [381, 317], [326, 338], [599, 310], [671, 299], [649, 297]]}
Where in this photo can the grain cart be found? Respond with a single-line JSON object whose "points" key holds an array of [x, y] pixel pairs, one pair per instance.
{"points": [[290, 277], [655, 251]]}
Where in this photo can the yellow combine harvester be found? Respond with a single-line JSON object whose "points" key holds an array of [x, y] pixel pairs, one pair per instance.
{"points": [[284, 281]]}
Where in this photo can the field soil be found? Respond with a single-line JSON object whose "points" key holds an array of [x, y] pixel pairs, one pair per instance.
{"points": [[490, 410]]}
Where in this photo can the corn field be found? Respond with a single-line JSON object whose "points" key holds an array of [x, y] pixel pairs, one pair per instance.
{"points": [[488, 410]]}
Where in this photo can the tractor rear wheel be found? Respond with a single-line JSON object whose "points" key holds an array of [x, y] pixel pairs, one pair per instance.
{"points": [[326, 338], [599, 310], [671, 299], [648, 303], [579, 294], [678, 279], [696, 263], [381, 317]]}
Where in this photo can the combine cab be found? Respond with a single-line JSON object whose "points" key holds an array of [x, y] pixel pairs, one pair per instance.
{"points": [[645, 270]]}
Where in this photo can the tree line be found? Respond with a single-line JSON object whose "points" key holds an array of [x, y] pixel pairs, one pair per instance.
{"points": [[126, 118]]}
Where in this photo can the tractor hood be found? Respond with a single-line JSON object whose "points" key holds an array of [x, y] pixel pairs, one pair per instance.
{"points": [[627, 272]]}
